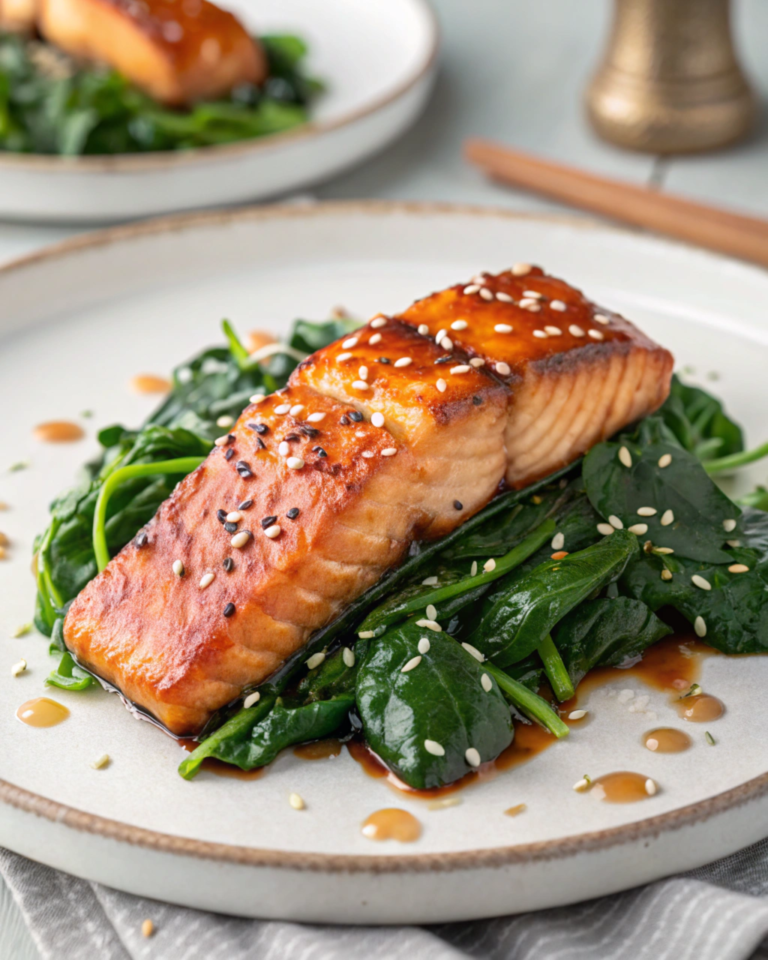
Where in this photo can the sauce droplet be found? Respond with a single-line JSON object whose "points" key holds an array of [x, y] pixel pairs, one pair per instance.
{"points": [[701, 709], [149, 383], [42, 712], [58, 431], [667, 740], [622, 787], [392, 824], [319, 750]]}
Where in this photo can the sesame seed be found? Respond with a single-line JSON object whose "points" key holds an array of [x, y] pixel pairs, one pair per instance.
{"points": [[625, 457], [240, 539], [363, 373], [411, 665], [605, 528], [472, 288], [229, 564], [225, 421], [234, 517], [296, 801], [297, 409], [540, 334], [316, 417], [268, 521], [503, 328], [433, 747], [503, 368], [575, 330], [581, 785], [284, 448], [647, 511], [229, 610], [504, 297], [206, 580], [601, 318], [360, 385], [258, 398], [349, 343], [738, 568], [528, 303], [356, 416], [615, 522], [430, 625], [461, 368], [666, 574], [474, 652], [251, 699], [222, 441], [458, 505], [101, 762], [440, 334], [424, 645], [423, 329], [533, 294], [376, 338], [729, 525], [666, 518], [229, 454], [664, 551], [315, 660], [273, 532], [577, 714], [283, 409], [366, 634], [477, 362], [431, 612], [243, 469], [178, 568], [486, 683], [348, 656], [596, 334], [473, 569], [700, 627], [638, 529], [441, 385], [733, 543], [553, 331], [472, 757], [650, 787], [430, 582], [489, 566], [377, 419], [378, 322], [558, 541], [557, 305], [700, 582], [403, 362], [389, 452], [665, 460], [368, 454], [147, 928], [486, 294], [521, 269], [459, 325], [18, 668], [342, 357], [446, 343]]}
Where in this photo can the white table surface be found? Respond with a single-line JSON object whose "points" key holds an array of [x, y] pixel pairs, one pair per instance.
{"points": [[513, 70]]}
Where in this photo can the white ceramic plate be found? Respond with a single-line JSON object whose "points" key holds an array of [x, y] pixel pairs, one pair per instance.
{"points": [[78, 321], [377, 58]]}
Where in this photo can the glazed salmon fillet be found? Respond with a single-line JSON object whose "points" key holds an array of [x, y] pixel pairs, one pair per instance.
{"points": [[389, 435], [178, 52]]}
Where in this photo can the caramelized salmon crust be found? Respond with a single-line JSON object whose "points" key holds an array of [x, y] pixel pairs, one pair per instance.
{"points": [[398, 432]]}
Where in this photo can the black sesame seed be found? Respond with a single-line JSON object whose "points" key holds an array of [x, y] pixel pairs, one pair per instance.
{"points": [[267, 522], [293, 513], [446, 359], [230, 527], [310, 432], [228, 564], [478, 401], [141, 540], [243, 469], [291, 437], [229, 609], [458, 505], [245, 505], [356, 416], [222, 516], [384, 360], [260, 444], [344, 421], [319, 451], [258, 427], [229, 454]]}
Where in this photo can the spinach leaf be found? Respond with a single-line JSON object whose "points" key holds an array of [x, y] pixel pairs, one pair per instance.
{"points": [[518, 615], [699, 422], [423, 722], [230, 738], [699, 509], [606, 633], [68, 676], [333, 677]]}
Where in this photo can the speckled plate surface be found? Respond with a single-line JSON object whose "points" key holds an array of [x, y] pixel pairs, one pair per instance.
{"points": [[79, 321]]}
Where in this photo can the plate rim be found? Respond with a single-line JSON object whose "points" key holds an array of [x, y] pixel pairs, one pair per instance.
{"points": [[544, 850], [172, 159]]}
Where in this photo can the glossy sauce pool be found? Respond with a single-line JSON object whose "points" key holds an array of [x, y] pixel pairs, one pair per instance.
{"points": [[42, 712], [623, 786], [58, 431], [667, 740], [149, 383], [702, 708], [392, 824]]}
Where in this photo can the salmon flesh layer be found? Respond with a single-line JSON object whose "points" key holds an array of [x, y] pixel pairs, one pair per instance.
{"points": [[399, 432]]}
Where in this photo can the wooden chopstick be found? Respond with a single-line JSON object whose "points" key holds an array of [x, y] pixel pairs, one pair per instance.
{"points": [[710, 227]]}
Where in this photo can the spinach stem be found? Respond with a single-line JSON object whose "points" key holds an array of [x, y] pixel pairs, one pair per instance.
{"points": [[528, 702], [736, 460], [183, 465], [555, 669]]}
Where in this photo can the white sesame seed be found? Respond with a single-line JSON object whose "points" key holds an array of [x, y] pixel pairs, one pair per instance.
{"points": [[368, 454], [700, 582], [459, 325], [378, 323], [601, 318], [251, 699], [295, 463], [474, 652], [240, 539], [349, 343], [596, 334], [477, 362], [650, 787], [461, 368], [362, 372], [342, 357], [366, 634], [389, 452], [540, 334], [504, 297], [647, 511], [101, 762], [431, 611], [615, 522], [665, 460], [733, 543], [605, 528], [360, 385], [423, 329], [221, 441], [503, 328], [472, 288], [316, 659], [625, 457], [234, 517], [441, 385], [666, 518], [284, 448], [430, 582], [639, 529], [424, 645], [411, 665], [663, 550], [528, 303], [258, 398], [296, 801], [225, 421], [282, 409], [348, 656], [729, 525], [666, 574], [558, 541], [472, 757], [700, 627], [553, 331], [446, 343], [577, 714], [521, 269], [206, 580], [533, 294], [557, 305], [489, 566], [486, 683], [473, 569], [376, 338], [738, 568], [430, 625], [503, 368], [178, 568], [575, 330], [404, 362], [581, 785], [315, 417], [297, 409], [486, 294], [377, 419], [440, 335], [18, 668], [433, 747]]}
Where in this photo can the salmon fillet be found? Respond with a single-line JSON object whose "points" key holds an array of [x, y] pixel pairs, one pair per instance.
{"points": [[381, 438], [178, 52], [18, 16]]}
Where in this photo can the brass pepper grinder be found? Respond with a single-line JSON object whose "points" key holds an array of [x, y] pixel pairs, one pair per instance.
{"points": [[670, 81]]}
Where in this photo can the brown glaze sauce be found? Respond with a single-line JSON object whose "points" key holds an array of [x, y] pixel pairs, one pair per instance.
{"points": [[149, 383], [318, 750], [392, 824], [621, 787], [42, 712], [667, 740], [58, 431], [702, 708]]}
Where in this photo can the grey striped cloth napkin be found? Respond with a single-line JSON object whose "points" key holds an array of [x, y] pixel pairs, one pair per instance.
{"points": [[719, 912]]}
